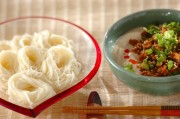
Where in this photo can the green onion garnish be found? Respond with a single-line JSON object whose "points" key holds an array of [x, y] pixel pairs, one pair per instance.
{"points": [[149, 51], [144, 65], [170, 64], [152, 29], [128, 67], [168, 34], [160, 40]]}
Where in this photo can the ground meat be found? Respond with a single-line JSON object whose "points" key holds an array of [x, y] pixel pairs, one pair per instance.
{"points": [[147, 44], [178, 39], [154, 38], [175, 68], [176, 57], [133, 42], [138, 48], [144, 35], [146, 73], [142, 56], [153, 57], [162, 71], [157, 47]]}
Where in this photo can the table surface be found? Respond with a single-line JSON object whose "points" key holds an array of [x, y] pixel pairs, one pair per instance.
{"points": [[96, 16]]}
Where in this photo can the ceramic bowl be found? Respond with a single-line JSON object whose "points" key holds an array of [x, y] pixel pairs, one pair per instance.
{"points": [[146, 84]]}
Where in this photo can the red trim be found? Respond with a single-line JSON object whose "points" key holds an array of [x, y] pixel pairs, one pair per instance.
{"points": [[34, 112], [170, 112]]}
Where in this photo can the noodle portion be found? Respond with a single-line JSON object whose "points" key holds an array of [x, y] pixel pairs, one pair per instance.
{"points": [[29, 56], [28, 89], [61, 64], [36, 67], [8, 62]]}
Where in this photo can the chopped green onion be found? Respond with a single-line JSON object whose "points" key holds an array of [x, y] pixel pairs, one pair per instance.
{"points": [[128, 67], [149, 51], [152, 29], [160, 40], [160, 60], [170, 39], [168, 34], [144, 65], [168, 45], [167, 51], [170, 64], [161, 53], [173, 23], [151, 66], [155, 50], [175, 26], [167, 40]]}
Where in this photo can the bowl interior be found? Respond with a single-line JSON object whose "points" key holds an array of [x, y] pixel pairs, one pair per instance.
{"points": [[86, 49]]}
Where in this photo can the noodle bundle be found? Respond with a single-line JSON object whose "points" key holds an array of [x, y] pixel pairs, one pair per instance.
{"points": [[20, 41], [34, 68], [59, 66], [4, 45], [8, 62], [28, 57], [28, 89]]}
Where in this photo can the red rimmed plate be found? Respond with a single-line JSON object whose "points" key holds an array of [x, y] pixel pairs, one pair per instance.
{"points": [[86, 48]]}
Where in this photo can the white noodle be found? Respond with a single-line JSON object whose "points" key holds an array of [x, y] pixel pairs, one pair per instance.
{"points": [[35, 67]]}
